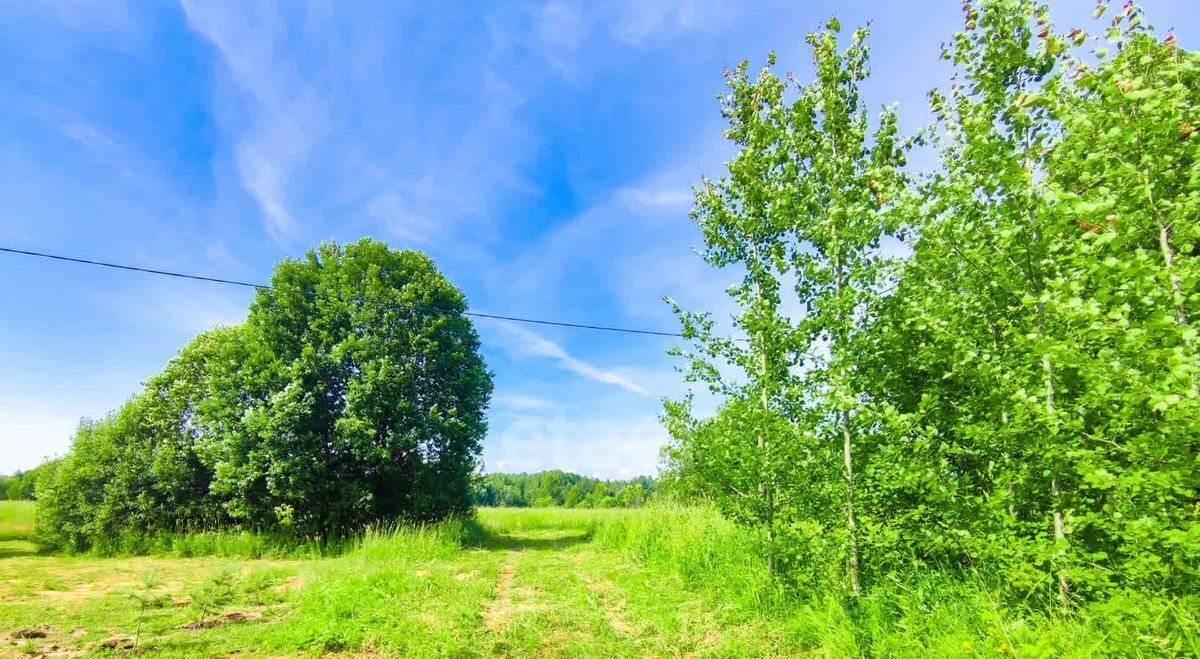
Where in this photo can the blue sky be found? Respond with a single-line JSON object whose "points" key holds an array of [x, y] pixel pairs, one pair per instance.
{"points": [[541, 152]]}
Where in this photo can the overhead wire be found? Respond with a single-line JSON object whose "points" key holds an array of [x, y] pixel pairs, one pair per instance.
{"points": [[266, 287]]}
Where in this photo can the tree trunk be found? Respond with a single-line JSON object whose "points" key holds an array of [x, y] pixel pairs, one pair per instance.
{"points": [[763, 445], [1010, 496], [1060, 536], [1181, 316], [853, 557], [851, 522], [768, 496]]}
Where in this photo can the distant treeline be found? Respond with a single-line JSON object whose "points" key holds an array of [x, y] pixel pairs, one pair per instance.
{"points": [[561, 488], [22, 485]]}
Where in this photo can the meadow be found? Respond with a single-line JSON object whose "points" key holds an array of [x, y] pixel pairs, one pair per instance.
{"points": [[658, 581]]}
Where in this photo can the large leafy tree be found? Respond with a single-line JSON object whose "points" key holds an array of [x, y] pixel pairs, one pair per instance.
{"points": [[355, 392], [377, 393]]}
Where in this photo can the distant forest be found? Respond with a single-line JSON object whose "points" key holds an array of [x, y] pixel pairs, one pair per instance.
{"points": [[561, 488], [21, 484]]}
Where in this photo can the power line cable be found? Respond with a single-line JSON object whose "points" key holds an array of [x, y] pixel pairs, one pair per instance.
{"points": [[232, 282], [118, 266]]}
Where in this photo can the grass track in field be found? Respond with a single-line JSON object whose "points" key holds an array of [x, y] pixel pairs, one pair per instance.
{"points": [[519, 583], [661, 582]]}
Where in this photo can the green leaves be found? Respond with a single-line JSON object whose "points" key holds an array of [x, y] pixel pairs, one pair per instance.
{"points": [[354, 393], [808, 200], [1021, 391]]}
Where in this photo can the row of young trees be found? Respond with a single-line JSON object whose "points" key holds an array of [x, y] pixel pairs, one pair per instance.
{"points": [[992, 365], [354, 393], [560, 488]]}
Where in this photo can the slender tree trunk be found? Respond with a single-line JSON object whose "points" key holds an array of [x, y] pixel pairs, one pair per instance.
{"points": [[1064, 585], [853, 557], [1060, 536], [764, 487], [1181, 316], [768, 494], [851, 522], [1010, 496]]}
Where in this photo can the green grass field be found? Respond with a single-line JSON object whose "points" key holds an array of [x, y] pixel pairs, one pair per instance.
{"points": [[16, 520], [516, 582], [520, 583]]}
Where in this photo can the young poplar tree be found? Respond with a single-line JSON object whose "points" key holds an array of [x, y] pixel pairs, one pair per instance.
{"points": [[807, 198], [1021, 397], [744, 230], [1125, 181], [991, 241], [841, 180], [1039, 349]]}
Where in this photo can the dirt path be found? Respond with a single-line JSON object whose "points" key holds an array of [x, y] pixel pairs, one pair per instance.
{"points": [[501, 609], [558, 595]]}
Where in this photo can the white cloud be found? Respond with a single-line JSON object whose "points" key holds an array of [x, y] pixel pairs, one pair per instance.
{"points": [[87, 136], [560, 24], [105, 148], [332, 120], [657, 198], [288, 116], [530, 343], [394, 213], [112, 16], [29, 435], [637, 242], [219, 254], [521, 402], [638, 21], [185, 307], [605, 448], [263, 178]]}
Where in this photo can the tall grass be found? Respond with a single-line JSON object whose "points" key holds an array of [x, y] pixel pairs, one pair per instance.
{"points": [[394, 580], [925, 613], [373, 588], [226, 544], [510, 520], [700, 545], [249, 544]]}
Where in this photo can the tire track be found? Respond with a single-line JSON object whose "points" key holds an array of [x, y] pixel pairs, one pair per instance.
{"points": [[614, 608], [500, 610]]}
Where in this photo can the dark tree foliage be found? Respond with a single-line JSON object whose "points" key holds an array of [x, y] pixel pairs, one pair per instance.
{"points": [[560, 488], [355, 392]]}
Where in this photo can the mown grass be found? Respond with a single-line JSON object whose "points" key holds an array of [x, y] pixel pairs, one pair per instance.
{"points": [[660, 581]]}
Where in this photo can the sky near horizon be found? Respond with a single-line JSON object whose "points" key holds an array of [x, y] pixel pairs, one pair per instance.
{"points": [[541, 152]]}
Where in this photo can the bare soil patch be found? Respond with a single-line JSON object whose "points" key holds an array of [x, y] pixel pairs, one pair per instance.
{"points": [[228, 618]]}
